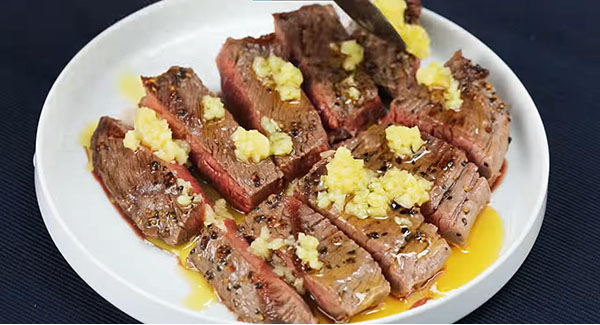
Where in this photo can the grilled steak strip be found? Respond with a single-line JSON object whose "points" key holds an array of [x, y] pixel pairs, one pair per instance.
{"points": [[144, 187], [176, 95], [250, 101], [349, 282], [480, 128], [409, 254], [243, 281], [309, 35], [458, 193], [392, 68]]}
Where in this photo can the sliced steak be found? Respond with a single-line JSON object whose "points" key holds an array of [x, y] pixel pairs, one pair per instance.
{"points": [[311, 36], [144, 187], [177, 95], [243, 281], [390, 66], [409, 253], [480, 127], [349, 282], [458, 194], [250, 101]]}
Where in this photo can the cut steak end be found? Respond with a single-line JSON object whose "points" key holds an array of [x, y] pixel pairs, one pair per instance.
{"points": [[143, 187], [391, 67], [349, 282], [176, 95], [250, 101], [458, 194], [243, 281], [311, 36], [409, 254], [480, 127]]}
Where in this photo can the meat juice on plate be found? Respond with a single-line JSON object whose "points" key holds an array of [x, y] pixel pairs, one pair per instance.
{"points": [[463, 265]]}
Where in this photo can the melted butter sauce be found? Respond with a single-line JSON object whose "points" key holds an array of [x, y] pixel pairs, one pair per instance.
{"points": [[463, 265], [130, 86], [201, 292]]}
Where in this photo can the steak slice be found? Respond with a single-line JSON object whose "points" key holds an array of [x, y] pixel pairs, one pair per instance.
{"points": [[176, 95], [391, 66], [311, 36], [143, 187], [349, 282], [243, 281], [250, 101], [458, 194], [480, 127], [409, 254]]}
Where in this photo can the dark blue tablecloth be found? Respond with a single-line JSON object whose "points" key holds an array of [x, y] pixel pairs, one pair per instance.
{"points": [[553, 46]]}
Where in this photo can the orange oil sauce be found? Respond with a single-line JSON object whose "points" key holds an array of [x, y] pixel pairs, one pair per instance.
{"points": [[463, 265], [130, 86]]}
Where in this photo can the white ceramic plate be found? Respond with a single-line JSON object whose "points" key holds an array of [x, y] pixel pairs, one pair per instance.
{"points": [[143, 281]]}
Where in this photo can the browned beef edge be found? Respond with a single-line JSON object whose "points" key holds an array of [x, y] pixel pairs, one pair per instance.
{"points": [[349, 282], [458, 194], [409, 255], [249, 100], [244, 282], [143, 187], [306, 35], [176, 95]]}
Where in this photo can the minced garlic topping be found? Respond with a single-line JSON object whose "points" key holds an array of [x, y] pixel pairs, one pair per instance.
{"points": [[262, 246], [354, 54], [403, 141], [280, 144], [154, 133], [350, 88], [250, 146], [306, 250], [187, 196], [371, 194], [253, 146], [345, 175], [284, 75], [217, 215], [415, 36], [213, 107], [436, 76], [269, 125]]}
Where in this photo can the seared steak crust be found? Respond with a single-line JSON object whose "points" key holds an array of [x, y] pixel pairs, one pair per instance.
{"points": [[176, 95], [392, 68], [244, 282], [309, 35], [249, 100], [349, 282], [480, 128], [144, 187], [409, 254], [458, 193]]}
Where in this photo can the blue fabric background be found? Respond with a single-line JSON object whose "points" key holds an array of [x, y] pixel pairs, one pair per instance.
{"points": [[552, 46]]}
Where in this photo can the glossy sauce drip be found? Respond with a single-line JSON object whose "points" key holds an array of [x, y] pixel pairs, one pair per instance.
{"points": [[202, 293], [463, 265], [130, 86]]}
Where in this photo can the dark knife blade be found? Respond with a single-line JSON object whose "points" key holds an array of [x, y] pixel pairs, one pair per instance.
{"points": [[371, 19]]}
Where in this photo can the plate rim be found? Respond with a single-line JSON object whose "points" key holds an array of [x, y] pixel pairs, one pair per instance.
{"points": [[52, 217]]}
